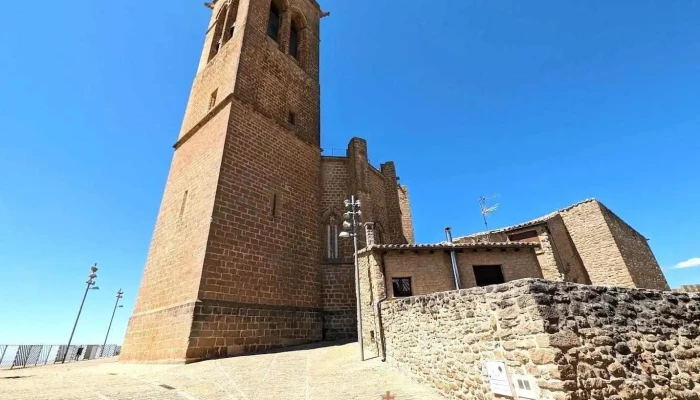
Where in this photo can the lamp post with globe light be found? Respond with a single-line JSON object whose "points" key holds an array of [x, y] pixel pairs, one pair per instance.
{"points": [[352, 220], [90, 286]]}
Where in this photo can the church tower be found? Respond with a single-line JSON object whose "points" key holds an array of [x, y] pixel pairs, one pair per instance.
{"points": [[233, 265]]}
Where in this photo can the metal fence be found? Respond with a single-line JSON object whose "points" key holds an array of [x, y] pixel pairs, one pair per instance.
{"points": [[26, 356]]}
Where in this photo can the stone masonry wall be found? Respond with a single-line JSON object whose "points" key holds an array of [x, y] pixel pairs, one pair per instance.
{"points": [[377, 209], [577, 342], [406, 217], [372, 293], [565, 252], [263, 250], [271, 80], [443, 339], [636, 253], [596, 245], [515, 264], [235, 257], [339, 303], [341, 177], [617, 343], [546, 254], [159, 327], [557, 254], [431, 272], [218, 74], [338, 279]]}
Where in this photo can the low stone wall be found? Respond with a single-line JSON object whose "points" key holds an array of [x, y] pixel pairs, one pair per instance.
{"points": [[574, 341]]}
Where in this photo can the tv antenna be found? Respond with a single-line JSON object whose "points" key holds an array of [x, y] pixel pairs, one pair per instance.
{"points": [[486, 210]]}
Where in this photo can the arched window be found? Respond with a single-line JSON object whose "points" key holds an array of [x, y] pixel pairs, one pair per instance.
{"points": [[231, 21], [294, 40], [332, 232], [378, 233], [273, 24], [217, 40]]}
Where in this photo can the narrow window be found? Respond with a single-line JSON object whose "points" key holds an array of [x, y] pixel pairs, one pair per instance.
{"points": [[274, 205], [294, 41], [231, 30], [231, 20], [184, 203], [273, 25], [292, 118], [212, 99], [332, 239], [218, 38], [488, 275], [402, 287]]}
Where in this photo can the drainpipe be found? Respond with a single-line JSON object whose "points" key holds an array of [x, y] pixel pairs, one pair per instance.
{"points": [[382, 344], [453, 255]]}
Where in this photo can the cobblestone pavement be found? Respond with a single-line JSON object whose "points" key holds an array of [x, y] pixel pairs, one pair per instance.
{"points": [[324, 372]]}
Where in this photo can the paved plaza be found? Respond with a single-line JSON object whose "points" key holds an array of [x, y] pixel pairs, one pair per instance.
{"points": [[324, 372]]}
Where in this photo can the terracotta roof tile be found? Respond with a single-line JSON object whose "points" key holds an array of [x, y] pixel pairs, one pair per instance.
{"points": [[448, 246]]}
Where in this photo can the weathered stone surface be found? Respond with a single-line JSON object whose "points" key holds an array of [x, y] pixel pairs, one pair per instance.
{"points": [[619, 356]]}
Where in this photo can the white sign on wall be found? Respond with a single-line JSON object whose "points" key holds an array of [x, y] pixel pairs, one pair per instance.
{"points": [[525, 386], [498, 378]]}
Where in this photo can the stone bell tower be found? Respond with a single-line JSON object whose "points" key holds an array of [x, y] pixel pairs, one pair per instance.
{"points": [[233, 265]]}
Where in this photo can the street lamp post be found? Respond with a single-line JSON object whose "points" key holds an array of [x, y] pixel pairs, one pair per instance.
{"points": [[352, 217], [120, 294], [90, 286]]}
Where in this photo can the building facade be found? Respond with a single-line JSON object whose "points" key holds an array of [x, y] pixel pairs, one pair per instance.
{"points": [[244, 255], [585, 243]]}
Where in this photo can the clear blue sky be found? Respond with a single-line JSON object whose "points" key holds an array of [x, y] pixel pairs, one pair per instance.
{"points": [[546, 103]]}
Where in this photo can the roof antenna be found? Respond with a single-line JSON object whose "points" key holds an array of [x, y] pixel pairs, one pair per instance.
{"points": [[486, 210]]}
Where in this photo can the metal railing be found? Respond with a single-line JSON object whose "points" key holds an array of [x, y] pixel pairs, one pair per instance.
{"points": [[334, 152], [26, 356]]}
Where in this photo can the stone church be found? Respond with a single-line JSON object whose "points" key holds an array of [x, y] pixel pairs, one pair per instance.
{"points": [[245, 255]]}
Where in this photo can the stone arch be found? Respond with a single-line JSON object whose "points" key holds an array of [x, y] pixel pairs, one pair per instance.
{"points": [[276, 20]]}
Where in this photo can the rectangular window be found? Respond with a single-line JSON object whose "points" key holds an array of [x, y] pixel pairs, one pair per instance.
{"points": [[212, 99], [488, 275], [273, 25], [292, 118], [402, 287]]}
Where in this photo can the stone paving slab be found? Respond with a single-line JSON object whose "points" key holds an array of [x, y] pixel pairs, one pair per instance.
{"points": [[324, 372]]}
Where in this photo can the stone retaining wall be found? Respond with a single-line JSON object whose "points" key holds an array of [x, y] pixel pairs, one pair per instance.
{"points": [[576, 341]]}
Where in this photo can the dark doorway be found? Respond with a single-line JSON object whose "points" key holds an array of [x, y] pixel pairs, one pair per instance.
{"points": [[488, 275]]}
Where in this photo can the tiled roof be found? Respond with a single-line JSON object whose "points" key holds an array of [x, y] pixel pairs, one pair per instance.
{"points": [[448, 246], [532, 222]]}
